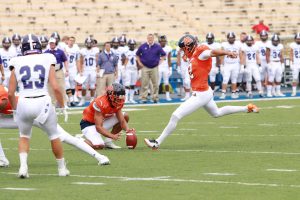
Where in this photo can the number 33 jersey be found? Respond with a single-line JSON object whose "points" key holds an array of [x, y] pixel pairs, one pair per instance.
{"points": [[32, 73]]}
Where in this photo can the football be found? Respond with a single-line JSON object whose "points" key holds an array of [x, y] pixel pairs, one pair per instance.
{"points": [[131, 139]]}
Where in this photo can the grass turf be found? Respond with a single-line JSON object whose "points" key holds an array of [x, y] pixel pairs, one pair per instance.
{"points": [[245, 146]]}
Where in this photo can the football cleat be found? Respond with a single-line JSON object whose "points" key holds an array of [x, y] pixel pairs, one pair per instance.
{"points": [[151, 143], [252, 108], [223, 96], [103, 160], [4, 162], [279, 94], [168, 99], [293, 94], [23, 172], [63, 171], [132, 101], [234, 95], [111, 145]]}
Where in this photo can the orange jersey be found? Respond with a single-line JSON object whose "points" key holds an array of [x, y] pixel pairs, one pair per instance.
{"points": [[4, 96], [104, 107], [199, 70]]}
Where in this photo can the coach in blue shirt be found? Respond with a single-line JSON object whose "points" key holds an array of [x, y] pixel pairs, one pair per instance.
{"points": [[61, 61], [149, 56]]}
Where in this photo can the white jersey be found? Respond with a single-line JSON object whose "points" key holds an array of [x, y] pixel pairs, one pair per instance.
{"points": [[250, 53], [72, 55], [275, 51], [235, 47], [16, 50], [119, 52], [32, 73], [89, 58], [6, 55], [213, 46], [296, 52], [262, 46], [165, 64], [183, 64], [131, 56]]}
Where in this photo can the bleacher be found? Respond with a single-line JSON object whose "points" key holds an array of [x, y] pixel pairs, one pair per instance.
{"points": [[107, 18]]}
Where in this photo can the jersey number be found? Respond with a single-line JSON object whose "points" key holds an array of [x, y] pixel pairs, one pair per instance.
{"points": [[251, 56], [4, 63], [89, 62], [71, 58], [275, 54], [296, 53], [26, 75], [132, 61], [263, 52]]}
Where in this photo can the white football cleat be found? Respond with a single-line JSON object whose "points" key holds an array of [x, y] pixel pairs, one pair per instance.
{"points": [[269, 95], [111, 145], [103, 160], [63, 171], [293, 94], [132, 101], [4, 162], [168, 99], [234, 95], [223, 96], [151, 143], [23, 172], [82, 102], [279, 94]]}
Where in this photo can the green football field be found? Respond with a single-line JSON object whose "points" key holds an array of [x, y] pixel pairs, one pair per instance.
{"points": [[237, 157]]}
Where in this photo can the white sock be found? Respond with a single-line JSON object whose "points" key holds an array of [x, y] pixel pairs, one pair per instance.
{"points": [[1, 151], [273, 90], [168, 130], [61, 163], [294, 89], [269, 89], [277, 89], [187, 95], [23, 158], [227, 110], [131, 93], [107, 140], [248, 86], [167, 95], [259, 87]]}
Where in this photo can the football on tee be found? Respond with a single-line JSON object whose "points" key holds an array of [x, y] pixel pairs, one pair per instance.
{"points": [[131, 139]]}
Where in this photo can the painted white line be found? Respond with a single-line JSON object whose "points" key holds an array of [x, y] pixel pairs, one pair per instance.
{"points": [[265, 124], [220, 174], [228, 127], [169, 179], [19, 189], [187, 129], [87, 183], [242, 152], [284, 106], [148, 131], [282, 170]]}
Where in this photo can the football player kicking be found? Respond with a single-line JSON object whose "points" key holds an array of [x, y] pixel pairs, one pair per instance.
{"points": [[103, 114], [200, 66], [7, 121]]}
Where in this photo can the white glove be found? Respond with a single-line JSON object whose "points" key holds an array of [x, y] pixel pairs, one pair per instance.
{"points": [[222, 69], [282, 67], [242, 69]]}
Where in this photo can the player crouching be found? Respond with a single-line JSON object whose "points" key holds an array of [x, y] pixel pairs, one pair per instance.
{"points": [[105, 113]]}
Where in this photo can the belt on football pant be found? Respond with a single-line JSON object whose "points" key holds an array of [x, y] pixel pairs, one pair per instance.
{"points": [[34, 97]]}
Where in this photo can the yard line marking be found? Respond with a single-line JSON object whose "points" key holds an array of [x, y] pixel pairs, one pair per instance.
{"points": [[285, 106], [148, 131], [87, 183], [228, 127], [266, 124], [169, 179], [244, 152], [187, 129], [220, 174], [282, 170], [19, 189]]}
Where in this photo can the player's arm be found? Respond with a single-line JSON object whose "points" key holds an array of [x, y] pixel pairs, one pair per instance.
{"points": [[242, 58], [81, 64], [12, 89], [281, 56], [258, 61], [169, 62], [122, 121], [217, 52], [99, 118], [97, 58], [291, 56], [178, 62], [124, 59], [2, 72], [268, 55], [139, 62], [66, 63], [55, 88]]}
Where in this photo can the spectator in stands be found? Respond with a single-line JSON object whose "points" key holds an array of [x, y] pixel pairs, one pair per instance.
{"points": [[61, 62], [149, 56], [107, 69], [260, 27]]}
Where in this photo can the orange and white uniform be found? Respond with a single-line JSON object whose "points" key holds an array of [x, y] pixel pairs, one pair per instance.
{"points": [[4, 96], [87, 124]]}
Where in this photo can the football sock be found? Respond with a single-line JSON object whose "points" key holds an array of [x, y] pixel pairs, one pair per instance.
{"points": [[76, 142], [131, 92], [61, 163], [127, 94], [248, 87], [294, 89], [259, 87], [167, 95], [269, 89], [23, 158], [277, 89], [1, 151], [227, 110], [169, 129]]}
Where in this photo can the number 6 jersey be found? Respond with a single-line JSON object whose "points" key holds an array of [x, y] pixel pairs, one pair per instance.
{"points": [[32, 73]]}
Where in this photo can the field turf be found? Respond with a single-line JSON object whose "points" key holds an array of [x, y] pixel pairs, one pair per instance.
{"points": [[237, 157]]}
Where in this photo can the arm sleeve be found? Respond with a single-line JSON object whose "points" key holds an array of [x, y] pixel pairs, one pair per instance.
{"points": [[96, 107], [204, 55]]}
